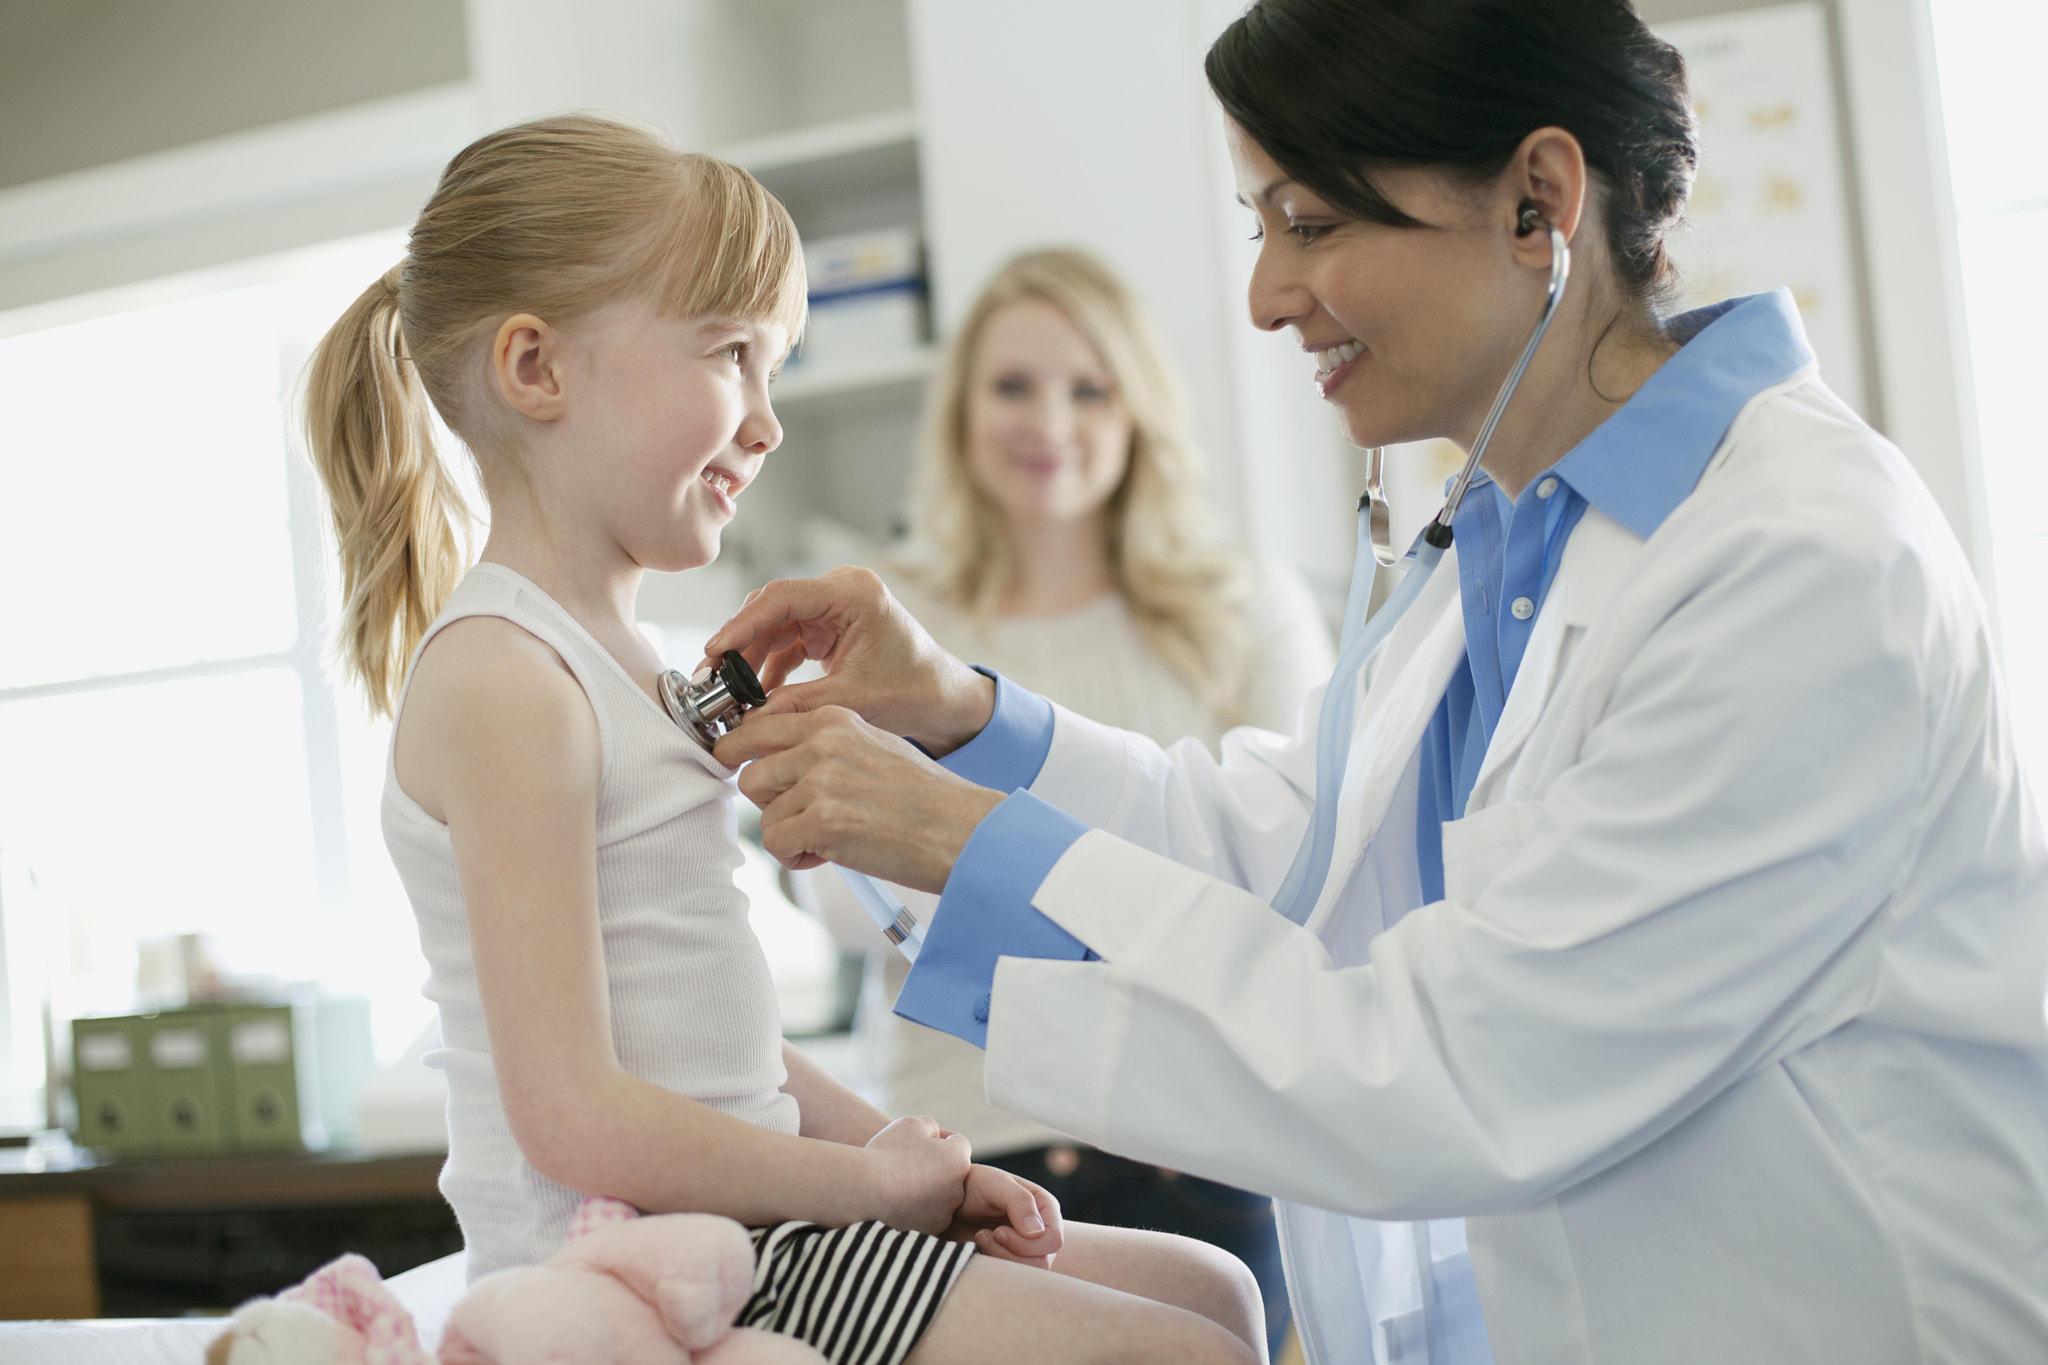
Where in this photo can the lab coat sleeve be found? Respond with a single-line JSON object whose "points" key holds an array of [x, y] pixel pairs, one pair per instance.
{"points": [[1238, 818], [1692, 898]]}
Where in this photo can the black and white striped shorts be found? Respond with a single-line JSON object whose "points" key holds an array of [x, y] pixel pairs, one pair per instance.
{"points": [[862, 1294]]}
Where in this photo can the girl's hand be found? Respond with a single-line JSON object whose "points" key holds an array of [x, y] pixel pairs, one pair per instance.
{"points": [[833, 788], [922, 1174], [1009, 1218], [878, 660]]}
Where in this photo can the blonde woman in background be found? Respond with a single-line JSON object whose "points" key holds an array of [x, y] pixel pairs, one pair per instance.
{"points": [[1060, 537]]}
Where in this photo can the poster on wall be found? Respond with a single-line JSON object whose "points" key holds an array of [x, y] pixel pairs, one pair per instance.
{"points": [[1771, 205]]}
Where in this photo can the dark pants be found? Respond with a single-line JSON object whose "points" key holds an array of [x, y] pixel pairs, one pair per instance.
{"points": [[1095, 1187]]}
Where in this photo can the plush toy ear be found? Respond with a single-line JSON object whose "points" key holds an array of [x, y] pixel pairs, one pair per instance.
{"points": [[350, 1290], [597, 1213]]}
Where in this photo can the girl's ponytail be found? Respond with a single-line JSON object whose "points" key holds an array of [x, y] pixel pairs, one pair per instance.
{"points": [[400, 523]]}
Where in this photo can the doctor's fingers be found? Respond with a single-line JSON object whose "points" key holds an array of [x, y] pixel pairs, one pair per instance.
{"points": [[817, 610], [807, 737], [892, 814]]}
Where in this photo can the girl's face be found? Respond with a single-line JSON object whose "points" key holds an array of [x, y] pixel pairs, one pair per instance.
{"points": [[1048, 434], [674, 422], [1405, 325]]}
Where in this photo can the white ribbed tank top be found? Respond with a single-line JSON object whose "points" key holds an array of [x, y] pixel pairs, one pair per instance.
{"points": [[692, 1004]]}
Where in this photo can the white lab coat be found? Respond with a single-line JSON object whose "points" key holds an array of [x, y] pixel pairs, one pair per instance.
{"points": [[1728, 1036]]}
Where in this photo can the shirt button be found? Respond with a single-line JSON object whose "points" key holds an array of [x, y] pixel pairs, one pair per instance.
{"points": [[981, 1010], [1546, 488], [1523, 608]]}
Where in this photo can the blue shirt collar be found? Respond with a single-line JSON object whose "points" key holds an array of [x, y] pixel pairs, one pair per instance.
{"points": [[1639, 464]]}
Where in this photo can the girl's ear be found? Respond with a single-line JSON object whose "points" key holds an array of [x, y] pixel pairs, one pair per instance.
{"points": [[526, 365]]}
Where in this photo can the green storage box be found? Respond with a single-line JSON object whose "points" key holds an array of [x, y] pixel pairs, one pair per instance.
{"points": [[262, 1078], [188, 1061], [110, 1076]]}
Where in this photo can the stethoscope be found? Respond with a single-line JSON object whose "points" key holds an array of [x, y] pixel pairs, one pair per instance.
{"points": [[706, 706], [1303, 884], [709, 704]]}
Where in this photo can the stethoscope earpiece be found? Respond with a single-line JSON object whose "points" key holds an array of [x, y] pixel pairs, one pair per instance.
{"points": [[1527, 220]]}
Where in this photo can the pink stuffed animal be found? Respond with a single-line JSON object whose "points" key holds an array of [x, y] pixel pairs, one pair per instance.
{"points": [[625, 1289], [644, 1291]]}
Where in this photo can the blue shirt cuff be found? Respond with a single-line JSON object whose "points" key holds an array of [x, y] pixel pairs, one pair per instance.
{"points": [[1011, 748], [986, 913]]}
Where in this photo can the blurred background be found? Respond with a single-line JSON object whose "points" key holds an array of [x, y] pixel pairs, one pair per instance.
{"points": [[191, 190]]}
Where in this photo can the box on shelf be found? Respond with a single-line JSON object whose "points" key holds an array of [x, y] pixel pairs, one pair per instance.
{"points": [[867, 296], [187, 1068], [263, 1080], [862, 260], [204, 1078], [114, 1086]]}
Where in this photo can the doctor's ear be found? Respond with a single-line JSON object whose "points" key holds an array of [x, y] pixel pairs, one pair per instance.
{"points": [[1545, 182], [526, 366]]}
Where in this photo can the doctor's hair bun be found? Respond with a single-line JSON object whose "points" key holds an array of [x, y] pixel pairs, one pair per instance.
{"points": [[1333, 89]]}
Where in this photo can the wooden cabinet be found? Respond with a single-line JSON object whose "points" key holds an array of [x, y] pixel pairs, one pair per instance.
{"points": [[162, 1238], [46, 1265]]}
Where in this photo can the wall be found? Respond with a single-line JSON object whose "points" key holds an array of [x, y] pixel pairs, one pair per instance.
{"points": [[87, 82], [1114, 143], [1119, 150]]}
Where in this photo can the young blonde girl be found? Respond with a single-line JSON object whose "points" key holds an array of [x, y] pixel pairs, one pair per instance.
{"points": [[598, 317]]}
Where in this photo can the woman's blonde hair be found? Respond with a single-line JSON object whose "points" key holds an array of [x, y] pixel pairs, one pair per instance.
{"points": [[558, 217], [1187, 593]]}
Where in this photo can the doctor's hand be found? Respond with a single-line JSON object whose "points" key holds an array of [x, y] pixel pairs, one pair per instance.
{"points": [[878, 660], [833, 788], [1009, 1218]]}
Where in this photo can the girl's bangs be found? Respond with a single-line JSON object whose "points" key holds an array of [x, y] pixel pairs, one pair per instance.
{"points": [[732, 252]]}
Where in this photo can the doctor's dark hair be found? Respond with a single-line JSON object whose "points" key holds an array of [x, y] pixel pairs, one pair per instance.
{"points": [[1333, 89]]}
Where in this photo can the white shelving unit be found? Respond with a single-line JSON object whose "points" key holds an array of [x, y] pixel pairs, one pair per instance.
{"points": [[839, 147], [803, 389]]}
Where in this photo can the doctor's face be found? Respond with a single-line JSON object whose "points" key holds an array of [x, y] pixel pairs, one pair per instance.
{"points": [[1402, 325]]}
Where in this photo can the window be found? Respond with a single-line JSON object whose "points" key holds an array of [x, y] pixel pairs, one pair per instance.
{"points": [[173, 755], [1987, 52], [177, 753]]}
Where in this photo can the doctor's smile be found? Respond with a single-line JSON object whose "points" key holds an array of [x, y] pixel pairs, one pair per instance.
{"points": [[1334, 363]]}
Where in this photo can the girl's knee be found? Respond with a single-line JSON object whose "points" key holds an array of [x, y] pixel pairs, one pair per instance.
{"points": [[1204, 1341], [1222, 1288]]}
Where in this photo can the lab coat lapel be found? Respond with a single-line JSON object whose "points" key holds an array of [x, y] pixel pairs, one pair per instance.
{"points": [[1402, 690], [1597, 560]]}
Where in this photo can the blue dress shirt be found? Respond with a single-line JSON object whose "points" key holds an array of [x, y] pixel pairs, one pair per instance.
{"points": [[1636, 467]]}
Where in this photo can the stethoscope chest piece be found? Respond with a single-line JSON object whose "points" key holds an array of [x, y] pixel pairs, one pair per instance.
{"points": [[708, 705]]}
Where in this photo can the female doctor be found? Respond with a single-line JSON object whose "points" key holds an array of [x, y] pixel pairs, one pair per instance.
{"points": [[1668, 985]]}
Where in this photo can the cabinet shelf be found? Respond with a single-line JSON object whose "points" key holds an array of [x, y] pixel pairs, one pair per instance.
{"points": [[803, 385], [842, 156]]}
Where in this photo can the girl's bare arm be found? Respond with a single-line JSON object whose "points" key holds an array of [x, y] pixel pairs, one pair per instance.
{"points": [[832, 1111], [499, 741]]}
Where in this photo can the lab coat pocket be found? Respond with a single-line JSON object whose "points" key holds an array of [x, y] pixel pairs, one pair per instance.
{"points": [[1477, 847]]}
